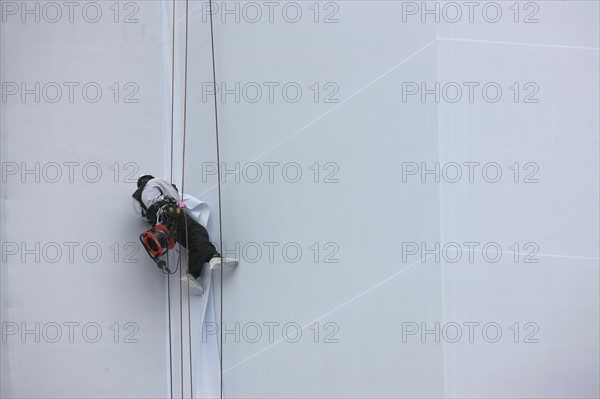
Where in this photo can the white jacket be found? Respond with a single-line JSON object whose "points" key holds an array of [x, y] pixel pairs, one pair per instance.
{"points": [[157, 190]]}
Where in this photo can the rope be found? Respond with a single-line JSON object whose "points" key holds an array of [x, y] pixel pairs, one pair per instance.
{"points": [[170, 339], [185, 86], [212, 46], [171, 181], [181, 328], [189, 316], [172, 91]]}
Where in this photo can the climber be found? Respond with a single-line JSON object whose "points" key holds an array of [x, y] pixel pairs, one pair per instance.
{"points": [[158, 199]]}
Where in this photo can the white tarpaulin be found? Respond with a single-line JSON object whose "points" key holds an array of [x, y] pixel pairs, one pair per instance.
{"points": [[204, 381]]}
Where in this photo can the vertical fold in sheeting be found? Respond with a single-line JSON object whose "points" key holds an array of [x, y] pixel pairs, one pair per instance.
{"points": [[205, 379], [205, 344], [205, 376]]}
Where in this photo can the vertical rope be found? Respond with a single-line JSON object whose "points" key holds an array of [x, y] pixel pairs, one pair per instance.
{"points": [[184, 100], [170, 339], [181, 328], [185, 86], [212, 45], [171, 180], [172, 91], [189, 316]]}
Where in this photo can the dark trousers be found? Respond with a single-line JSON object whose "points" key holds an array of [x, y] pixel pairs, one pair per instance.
{"points": [[200, 249]]}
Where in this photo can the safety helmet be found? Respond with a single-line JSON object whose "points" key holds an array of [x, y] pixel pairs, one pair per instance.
{"points": [[143, 178]]}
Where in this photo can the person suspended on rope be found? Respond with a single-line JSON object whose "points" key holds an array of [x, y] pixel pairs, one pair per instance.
{"points": [[157, 201]]}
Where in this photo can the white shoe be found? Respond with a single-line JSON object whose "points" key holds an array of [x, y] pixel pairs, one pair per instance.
{"points": [[194, 286], [217, 261]]}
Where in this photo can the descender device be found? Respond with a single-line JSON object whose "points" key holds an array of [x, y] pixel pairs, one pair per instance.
{"points": [[162, 236]]}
